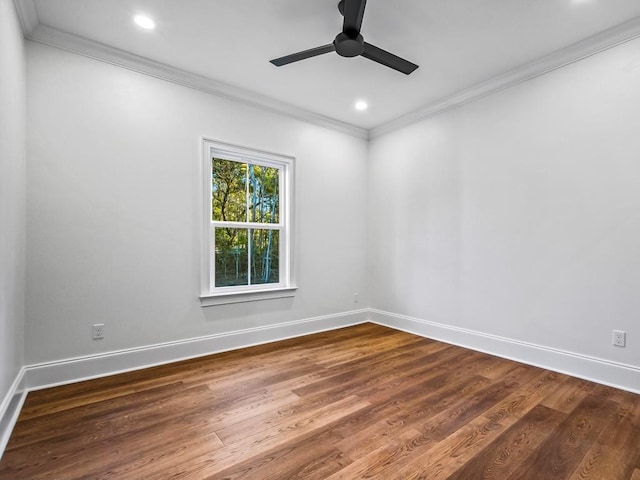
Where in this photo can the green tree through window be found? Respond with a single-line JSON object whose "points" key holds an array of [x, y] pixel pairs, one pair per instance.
{"points": [[245, 213]]}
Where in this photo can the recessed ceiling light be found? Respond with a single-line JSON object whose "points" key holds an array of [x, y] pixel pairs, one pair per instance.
{"points": [[144, 22], [361, 105]]}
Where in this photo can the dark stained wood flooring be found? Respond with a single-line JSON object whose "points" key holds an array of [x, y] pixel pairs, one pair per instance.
{"points": [[360, 402]]}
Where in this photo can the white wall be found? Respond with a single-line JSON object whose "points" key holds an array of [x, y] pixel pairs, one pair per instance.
{"points": [[515, 216], [114, 201], [12, 201], [518, 215]]}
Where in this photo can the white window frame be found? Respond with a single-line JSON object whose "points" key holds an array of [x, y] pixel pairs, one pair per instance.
{"points": [[212, 295]]}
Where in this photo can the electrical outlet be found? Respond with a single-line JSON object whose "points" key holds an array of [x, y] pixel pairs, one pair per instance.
{"points": [[97, 331], [619, 338], [355, 298]]}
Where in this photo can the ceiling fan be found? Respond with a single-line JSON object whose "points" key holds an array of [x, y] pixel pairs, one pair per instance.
{"points": [[350, 43]]}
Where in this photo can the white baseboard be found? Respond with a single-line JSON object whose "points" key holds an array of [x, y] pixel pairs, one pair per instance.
{"points": [[606, 372], [618, 375], [10, 409], [34, 377], [77, 369]]}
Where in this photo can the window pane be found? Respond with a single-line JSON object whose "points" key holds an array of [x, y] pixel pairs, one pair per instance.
{"points": [[231, 257], [265, 256], [228, 191], [264, 204]]}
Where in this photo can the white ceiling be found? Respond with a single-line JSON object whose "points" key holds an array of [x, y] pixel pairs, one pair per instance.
{"points": [[458, 44]]}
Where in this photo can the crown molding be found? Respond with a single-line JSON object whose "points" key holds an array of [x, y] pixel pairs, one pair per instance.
{"points": [[98, 51], [27, 14], [604, 40]]}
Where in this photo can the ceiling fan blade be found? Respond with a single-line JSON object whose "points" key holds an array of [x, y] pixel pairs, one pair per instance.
{"points": [[353, 13], [389, 59], [295, 57]]}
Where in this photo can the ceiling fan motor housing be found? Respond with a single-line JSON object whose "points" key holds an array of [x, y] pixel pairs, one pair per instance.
{"points": [[349, 44]]}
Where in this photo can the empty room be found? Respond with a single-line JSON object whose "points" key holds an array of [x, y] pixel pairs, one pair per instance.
{"points": [[320, 239]]}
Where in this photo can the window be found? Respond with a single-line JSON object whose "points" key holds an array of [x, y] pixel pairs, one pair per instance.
{"points": [[247, 231]]}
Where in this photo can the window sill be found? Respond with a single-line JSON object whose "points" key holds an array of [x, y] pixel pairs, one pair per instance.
{"points": [[241, 297]]}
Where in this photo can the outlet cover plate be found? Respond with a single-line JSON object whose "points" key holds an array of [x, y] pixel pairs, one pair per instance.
{"points": [[97, 331], [619, 338]]}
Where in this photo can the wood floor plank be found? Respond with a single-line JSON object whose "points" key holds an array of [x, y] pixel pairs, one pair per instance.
{"points": [[372, 460], [293, 459], [200, 463], [569, 395], [359, 402], [434, 428], [444, 458], [608, 457], [560, 454], [366, 368], [96, 416], [504, 455], [462, 424], [530, 394]]}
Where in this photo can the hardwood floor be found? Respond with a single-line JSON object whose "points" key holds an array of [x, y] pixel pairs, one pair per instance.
{"points": [[361, 402]]}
